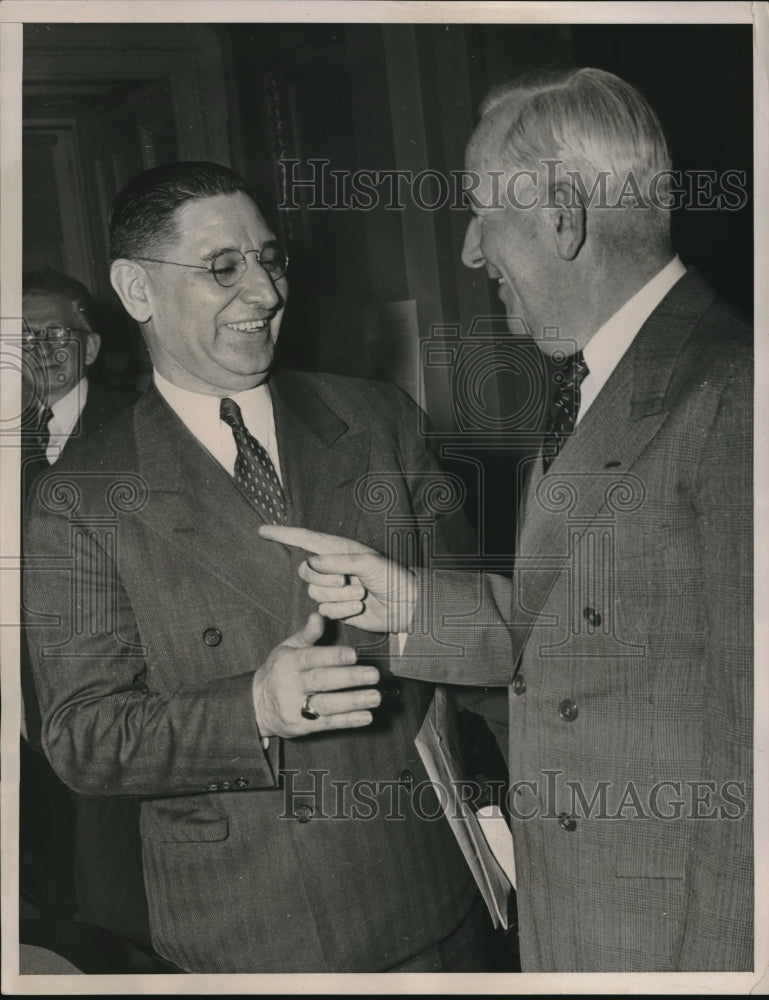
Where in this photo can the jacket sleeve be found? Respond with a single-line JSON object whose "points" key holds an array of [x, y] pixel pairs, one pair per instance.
{"points": [[103, 731], [718, 927]]}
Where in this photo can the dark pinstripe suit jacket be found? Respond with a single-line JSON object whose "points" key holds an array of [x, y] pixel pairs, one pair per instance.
{"points": [[627, 642], [148, 694]]}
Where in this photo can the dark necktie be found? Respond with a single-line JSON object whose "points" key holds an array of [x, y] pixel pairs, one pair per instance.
{"points": [[564, 407], [254, 472], [35, 440]]}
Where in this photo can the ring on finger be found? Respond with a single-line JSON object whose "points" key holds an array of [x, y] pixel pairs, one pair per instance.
{"points": [[308, 712]]}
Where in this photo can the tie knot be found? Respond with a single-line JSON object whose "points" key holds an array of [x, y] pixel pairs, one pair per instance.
{"points": [[576, 368], [229, 412], [569, 376], [46, 415]]}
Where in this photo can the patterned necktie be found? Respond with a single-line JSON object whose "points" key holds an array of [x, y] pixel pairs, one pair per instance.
{"points": [[254, 472], [564, 407]]}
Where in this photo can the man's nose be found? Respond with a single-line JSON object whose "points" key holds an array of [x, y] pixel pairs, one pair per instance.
{"points": [[257, 286], [472, 256]]}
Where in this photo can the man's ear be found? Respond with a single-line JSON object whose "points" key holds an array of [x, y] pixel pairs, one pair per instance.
{"points": [[92, 345], [132, 284], [570, 220]]}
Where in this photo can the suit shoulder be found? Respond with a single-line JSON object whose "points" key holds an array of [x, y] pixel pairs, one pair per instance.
{"points": [[348, 392], [108, 401], [727, 333], [108, 447], [719, 351]]}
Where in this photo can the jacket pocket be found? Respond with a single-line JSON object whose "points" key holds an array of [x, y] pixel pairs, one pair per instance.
{"points": [[181, 823]]}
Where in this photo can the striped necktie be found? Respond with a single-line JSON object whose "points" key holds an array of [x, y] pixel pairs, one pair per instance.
{"points": [[254, 472], [564, 407]]}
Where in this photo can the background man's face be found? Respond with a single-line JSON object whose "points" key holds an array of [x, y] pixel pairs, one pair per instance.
{"points": [[52, 369], [202, 336], [513, 244]]}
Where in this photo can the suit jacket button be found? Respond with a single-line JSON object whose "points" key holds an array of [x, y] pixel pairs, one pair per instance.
{"points": [[225, 786], [213, 787], [567, 822], [212, 637], [519, 684], [406, 777], [567, 710], [592, 617], [303, 814], [242, 782]]}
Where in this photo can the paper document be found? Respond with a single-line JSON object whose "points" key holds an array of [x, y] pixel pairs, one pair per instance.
{"points": [[438, 747]]}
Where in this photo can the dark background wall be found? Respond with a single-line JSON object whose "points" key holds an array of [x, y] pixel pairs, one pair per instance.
{"points": [[102, 102]]}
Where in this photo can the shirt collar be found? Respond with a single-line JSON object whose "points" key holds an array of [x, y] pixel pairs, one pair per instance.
{"points": [[67, 409], [65, 413], [606, 347], [200, 414]]}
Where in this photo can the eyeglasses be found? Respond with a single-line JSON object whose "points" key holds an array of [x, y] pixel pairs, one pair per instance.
{"points": [[55, 335], [229, 266]]}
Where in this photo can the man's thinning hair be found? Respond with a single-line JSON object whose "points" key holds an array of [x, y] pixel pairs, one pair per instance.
{"points": [[51, 282], [142, 218], [589, 119]]}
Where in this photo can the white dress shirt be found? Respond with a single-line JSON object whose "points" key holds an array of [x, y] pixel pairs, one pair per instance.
{"points": [[66, 413], [200, 414], [606, 347]]}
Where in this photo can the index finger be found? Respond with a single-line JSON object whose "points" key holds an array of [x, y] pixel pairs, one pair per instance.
{"points": [[312, 541]]}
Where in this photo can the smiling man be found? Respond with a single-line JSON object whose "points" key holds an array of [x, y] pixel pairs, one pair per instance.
{"points": [[189, 674], [627, 636]]}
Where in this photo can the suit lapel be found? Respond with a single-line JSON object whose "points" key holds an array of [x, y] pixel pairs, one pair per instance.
{"points": [[598, 459], [197, 509], [321, 458]]}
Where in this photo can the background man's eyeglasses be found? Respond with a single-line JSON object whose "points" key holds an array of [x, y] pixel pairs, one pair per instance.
{"points": [[229, 266], [55, 335]]}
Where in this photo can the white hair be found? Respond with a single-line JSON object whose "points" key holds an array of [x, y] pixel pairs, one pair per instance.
{"points": [[590, 120]]}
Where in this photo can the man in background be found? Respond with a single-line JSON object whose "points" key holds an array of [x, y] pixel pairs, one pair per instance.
{"points": [[62, 405], [272, 776], [60, 344], [626, 638]]}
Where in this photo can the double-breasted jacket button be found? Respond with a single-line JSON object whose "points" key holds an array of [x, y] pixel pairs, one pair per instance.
{"points": [[303, 814], [592, 616], [568, 710], [567, 822], [519, 684], [389, 690], [212, 636], [406, 777], [242, 782]]}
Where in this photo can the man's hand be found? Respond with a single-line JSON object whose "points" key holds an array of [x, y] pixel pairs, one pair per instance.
{"points": [[296, 670], [350, 581]]}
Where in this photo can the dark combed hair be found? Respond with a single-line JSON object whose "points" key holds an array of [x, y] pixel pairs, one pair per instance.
{"points": [[142, 217], [50, 282]]}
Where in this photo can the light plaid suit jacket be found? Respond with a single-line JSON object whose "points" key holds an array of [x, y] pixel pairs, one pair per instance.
{"points": [[626, 638]]}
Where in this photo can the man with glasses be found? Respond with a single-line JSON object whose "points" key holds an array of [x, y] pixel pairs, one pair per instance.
{"points": [[285, 817], [59, 346]]}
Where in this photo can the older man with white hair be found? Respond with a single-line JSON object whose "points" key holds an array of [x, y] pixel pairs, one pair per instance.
{"points": [[626, 637]]}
